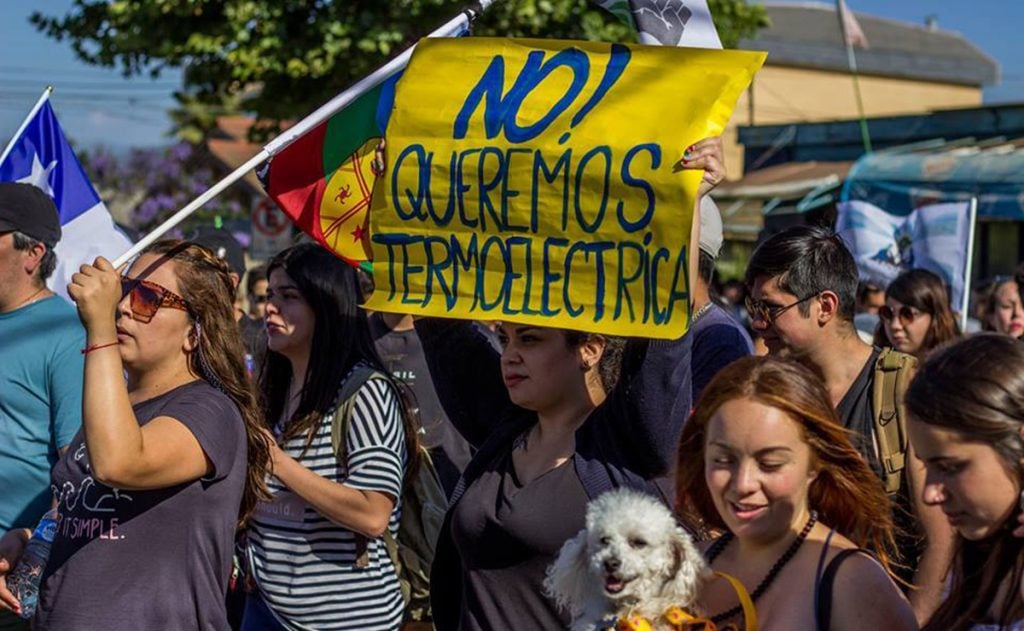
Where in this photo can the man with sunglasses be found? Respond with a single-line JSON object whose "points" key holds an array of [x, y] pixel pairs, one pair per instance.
{"points": [[802, 300], [40, 368]]}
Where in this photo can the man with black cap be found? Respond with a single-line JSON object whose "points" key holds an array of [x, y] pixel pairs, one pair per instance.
{"points": [[718, 340], [41, 343]]}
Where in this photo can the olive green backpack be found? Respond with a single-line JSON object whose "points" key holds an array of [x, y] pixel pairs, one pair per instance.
{"points": [[893, 372], [423, 509]]}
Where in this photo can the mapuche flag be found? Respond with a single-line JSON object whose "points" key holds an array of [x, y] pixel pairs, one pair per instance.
{"points": [[323, 180]]}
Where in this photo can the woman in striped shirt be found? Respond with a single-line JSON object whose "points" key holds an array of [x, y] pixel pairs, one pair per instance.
{"points": [[316, 549]]}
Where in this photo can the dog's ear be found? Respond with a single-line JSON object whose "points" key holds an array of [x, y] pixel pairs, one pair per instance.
{"points": [[568, 579], [691, 571]]}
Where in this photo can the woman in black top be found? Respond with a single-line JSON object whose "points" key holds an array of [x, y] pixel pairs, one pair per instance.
{"points": [[553, 429]]}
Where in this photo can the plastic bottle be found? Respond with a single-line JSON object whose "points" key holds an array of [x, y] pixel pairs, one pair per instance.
{"points": [[23, 580]]}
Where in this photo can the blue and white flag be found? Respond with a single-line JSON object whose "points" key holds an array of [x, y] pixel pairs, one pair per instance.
{"points": [[935, 237], [40, 155]]}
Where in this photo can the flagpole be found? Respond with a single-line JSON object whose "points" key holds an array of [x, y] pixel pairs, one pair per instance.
{"points": [[851, 60], [364, 85], [865, 136], [969, 266], [24, 123]]}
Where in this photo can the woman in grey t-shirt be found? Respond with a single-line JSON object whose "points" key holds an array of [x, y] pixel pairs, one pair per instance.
{"points": [[151, 490]]}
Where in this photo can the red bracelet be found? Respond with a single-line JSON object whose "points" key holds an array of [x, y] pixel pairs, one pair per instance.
{"points": [[96, 347]]}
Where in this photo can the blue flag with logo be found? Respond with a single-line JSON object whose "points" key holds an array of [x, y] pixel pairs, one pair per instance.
{"points": [[935, 237], [40, 155]]}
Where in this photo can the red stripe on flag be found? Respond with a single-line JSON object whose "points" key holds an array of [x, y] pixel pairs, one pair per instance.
{"points": [[297, 180]]}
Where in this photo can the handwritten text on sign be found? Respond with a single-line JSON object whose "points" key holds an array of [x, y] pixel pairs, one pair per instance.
{"points": [[536, 181]]}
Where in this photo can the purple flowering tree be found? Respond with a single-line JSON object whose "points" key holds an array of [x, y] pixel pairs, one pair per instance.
{"points": [[146, 186]]}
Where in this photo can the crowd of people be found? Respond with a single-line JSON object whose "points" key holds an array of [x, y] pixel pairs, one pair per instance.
{"points": [[844, 450]]}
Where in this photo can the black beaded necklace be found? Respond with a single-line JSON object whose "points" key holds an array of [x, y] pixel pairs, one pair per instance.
{"points": [[717, 548]]}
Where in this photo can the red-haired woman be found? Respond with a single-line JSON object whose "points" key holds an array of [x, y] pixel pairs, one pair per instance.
{"points": [[765, 460]]}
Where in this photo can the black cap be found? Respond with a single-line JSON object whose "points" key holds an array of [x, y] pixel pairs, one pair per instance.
{"points": [[224, 245], [29, 210]]}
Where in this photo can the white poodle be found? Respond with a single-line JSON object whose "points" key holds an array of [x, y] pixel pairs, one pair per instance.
{"points": [[632, 559]]}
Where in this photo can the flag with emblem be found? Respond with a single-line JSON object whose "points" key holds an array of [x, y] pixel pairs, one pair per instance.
{"points": [[324, 180], [40, 155]]}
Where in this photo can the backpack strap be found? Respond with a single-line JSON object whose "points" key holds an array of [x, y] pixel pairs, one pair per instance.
{"points": [[346, 402], [340, 421], [893, 371]]}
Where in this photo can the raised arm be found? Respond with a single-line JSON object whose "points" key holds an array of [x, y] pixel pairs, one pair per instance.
{"points": [[646, 411], [122, 454], [467, 376]]}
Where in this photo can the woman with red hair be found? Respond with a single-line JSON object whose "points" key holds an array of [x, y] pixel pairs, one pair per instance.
{"points": [[765, 463]]}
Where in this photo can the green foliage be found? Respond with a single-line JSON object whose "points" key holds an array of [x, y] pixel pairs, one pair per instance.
{"points": [[736, 20], [282, 58]]}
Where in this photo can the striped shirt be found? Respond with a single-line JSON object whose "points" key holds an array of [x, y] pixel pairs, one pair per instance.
{"points": [[304, 564]]}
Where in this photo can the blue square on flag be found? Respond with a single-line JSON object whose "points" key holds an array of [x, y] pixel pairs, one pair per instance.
{"points": [[40, 155]]}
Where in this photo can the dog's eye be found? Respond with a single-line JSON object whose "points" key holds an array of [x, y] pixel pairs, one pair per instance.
{"points": [[605, 540], [637, 543]]}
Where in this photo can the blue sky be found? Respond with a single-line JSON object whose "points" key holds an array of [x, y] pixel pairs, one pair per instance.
{"points": [[98, 106]]}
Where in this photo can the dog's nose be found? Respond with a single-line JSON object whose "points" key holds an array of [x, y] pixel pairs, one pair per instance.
{"points": [[612, 565]]}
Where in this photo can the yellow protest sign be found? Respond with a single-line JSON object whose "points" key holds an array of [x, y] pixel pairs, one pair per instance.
{"points": [[537, 181]]}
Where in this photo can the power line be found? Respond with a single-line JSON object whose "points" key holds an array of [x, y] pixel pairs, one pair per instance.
{"points": [[62, 69], [111, 85], [62, 97]]}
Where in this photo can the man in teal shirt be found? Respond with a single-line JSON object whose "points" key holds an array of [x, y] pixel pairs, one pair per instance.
{"points": [[40, 368]]}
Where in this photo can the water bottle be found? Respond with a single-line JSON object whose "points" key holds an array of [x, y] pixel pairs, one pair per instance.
{"points": [[23, 581]]}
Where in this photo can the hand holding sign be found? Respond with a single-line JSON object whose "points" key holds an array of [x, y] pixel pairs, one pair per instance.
{"points": [[708, 156], [533, 181]]}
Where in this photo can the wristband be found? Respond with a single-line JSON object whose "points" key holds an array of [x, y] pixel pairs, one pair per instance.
{"points": [[96, 347]]}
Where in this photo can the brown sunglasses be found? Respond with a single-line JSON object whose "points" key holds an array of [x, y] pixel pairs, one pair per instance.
{"points": [[147, 297], [905, 314], [768, 312]]}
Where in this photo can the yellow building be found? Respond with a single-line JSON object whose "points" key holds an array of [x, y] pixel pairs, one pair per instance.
{"points": [[907, 69]]}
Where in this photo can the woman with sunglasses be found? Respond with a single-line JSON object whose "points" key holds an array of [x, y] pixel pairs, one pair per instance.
{"points": [[317, 550], [916, 316], [170, 459], [1003, 311]]}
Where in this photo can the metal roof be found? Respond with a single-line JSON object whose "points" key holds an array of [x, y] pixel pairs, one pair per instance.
{"points": [[806, 34]]}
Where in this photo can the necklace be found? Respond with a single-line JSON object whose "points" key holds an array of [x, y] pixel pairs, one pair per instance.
{"points": [[717, 548], [700, 312], [31, 298]]}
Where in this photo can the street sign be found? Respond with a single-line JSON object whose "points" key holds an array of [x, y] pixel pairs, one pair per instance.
{"points": [[271, 230]]}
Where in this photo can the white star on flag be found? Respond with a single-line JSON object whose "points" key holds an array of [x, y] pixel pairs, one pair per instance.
{"points": [[40, 176]]}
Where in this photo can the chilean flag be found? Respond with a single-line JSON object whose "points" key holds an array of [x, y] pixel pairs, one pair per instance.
{"points": [[40, 155]]}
